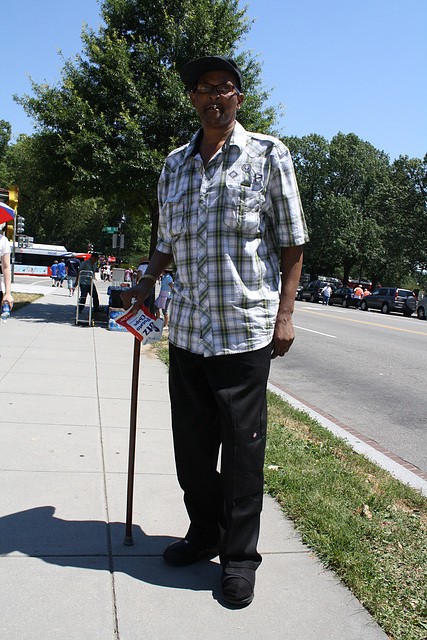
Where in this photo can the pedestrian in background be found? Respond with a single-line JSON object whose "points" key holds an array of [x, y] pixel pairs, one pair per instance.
{"points": [[54, 273], [165, 295], [358, 295], [72, 267], [230, 216], [61, 273], [85, 277], [6, 279], [326, 293]]}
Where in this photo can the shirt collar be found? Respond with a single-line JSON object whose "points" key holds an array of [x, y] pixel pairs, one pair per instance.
{"points": [[237, 137]]}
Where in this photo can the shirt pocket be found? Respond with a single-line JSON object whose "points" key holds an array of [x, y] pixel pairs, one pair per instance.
{"points": [[242, 209], [177, 215]]}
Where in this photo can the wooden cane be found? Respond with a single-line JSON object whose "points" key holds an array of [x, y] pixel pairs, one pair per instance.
{"points": [[132, 441]]}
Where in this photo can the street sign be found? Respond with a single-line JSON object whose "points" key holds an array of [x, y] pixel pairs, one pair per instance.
{"points": [[110, 229]]}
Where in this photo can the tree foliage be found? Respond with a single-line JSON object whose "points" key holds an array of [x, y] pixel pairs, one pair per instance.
{"points": [[120, 107], [5, 135], [365, 216]]}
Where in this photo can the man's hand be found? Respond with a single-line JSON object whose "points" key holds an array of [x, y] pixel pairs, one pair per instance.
{"points": [[283, 337], [284, 334], [138, 293], [158, 263]]}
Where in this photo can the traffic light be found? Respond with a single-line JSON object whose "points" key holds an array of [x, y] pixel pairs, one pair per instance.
{"points": [[13, 200], [90, 248], [20, 225], [9, 230], [13, 196]]}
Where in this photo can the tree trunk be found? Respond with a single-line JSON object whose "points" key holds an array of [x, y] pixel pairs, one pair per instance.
{"points": [[346, 274]]}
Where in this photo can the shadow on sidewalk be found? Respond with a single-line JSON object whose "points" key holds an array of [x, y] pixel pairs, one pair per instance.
{"points": [[58, 313], [39, 534], [38, 312]]}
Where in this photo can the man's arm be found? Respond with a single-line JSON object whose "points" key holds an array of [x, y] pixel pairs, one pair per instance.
{"points": [[284, 335], [158, 263], [5, 266]]}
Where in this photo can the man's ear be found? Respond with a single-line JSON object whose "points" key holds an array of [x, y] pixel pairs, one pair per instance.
{"points": [[192, 98], [240, 99]]}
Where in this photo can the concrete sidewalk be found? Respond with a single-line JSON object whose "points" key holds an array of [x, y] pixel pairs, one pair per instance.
{"points": [[64, 571]]}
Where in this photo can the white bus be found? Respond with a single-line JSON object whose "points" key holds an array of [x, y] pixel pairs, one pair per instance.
{"points": [[37, 260]]}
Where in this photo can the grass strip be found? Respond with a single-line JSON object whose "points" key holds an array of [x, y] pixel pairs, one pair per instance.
{"points": [[22, 299], [370, 528]]}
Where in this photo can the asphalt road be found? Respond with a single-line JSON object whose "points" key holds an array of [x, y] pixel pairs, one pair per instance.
{"points": [[365, 369]]}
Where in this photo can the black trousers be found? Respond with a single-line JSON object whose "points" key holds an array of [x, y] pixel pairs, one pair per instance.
{"points": [[84, 292], [221, 400]]}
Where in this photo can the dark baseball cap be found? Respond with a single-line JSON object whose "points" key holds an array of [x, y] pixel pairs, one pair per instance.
{"points": [[192, 71]]}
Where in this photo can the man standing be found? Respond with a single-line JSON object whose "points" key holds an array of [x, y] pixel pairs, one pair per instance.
{"points": [[326, 293], [54, 273], [229, 213], [61, 273], [72, 266], [85, 276], [164, 297]]}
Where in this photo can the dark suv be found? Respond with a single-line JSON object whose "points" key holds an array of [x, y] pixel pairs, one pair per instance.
{"points": [[313, 291], [388, 299]]}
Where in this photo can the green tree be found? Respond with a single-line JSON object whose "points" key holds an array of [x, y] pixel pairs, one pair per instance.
{"points": [[339, 182], [72, 221], [409, 180], [5, 135], [310, 156], [120, 106], [356, 171]]}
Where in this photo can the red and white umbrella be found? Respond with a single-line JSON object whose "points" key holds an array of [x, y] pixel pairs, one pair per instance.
{"points": [[6, 213]]}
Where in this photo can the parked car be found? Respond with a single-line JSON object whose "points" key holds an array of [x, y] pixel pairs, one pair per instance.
{"points": [[343, 296], [313, 291], [422, 308], [388, 299]]}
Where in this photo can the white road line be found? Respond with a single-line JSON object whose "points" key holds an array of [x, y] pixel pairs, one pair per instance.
{"points": [[312, 331]]}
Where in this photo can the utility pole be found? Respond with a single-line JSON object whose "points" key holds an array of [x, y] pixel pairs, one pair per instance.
{"points": [[120, 239]]}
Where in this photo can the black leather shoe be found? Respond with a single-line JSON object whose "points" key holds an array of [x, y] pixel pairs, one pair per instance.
{"points": [[238, 585], [185, 552]]}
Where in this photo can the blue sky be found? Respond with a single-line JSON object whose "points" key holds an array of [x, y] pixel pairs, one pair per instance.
{"points": [[338, 65]]}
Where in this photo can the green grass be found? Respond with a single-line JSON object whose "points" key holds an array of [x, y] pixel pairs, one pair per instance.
{"points": [[22, 299], [162, 349], [367, 526]]}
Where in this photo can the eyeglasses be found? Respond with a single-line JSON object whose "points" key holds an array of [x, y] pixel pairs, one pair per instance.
{"points": [[222, 89]]}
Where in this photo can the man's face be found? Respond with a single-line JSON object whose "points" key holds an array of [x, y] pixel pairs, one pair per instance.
{"points": [[216, 110]]}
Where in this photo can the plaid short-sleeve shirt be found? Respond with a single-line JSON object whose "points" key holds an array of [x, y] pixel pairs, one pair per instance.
{"points": [[225, 224]]}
